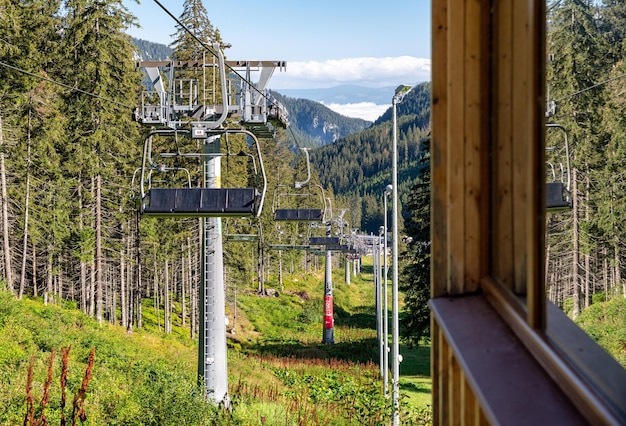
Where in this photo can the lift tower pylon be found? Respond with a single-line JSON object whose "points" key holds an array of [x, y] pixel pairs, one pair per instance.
{"points": [[182, 106]]}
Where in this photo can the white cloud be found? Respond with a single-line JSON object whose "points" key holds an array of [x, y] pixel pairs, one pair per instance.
{"points": [[370, 72], [365, 110]]}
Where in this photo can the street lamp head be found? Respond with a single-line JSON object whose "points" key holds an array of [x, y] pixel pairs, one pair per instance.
{"points": [[401, 92], [388, 189]]}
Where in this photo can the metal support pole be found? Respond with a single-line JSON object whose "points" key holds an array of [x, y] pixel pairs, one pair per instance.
{"points": [[394, 276], [212, 368], [378, 288], [328, 335], [386, 297]]}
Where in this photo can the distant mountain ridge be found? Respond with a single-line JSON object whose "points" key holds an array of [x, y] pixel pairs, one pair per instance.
{"points": [[344, 94], [316, 125], [149, 51], [312, 123], [358, 167]]}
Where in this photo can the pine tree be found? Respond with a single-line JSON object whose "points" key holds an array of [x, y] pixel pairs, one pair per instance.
{"points": [[98, 151], [415, 267], [611, 209], [195, 19], [578, 60], [30, 39]]}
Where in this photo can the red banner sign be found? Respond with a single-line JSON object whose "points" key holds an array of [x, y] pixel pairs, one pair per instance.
{"points": [[328, 312]]}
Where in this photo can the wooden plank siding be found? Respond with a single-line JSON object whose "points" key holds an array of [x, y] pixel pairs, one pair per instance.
{"points": [[499, 356]]}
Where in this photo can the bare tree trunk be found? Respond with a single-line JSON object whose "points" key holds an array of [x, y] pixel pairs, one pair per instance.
{"points": [[183, 279], [167, 314], [57, 289], [575, 248], [587, 255], [618, 273], [139, 289], [98, 218], [587, 287], [549, 286], [8, 270], [112, 289], [280, 269], [47, 295], [123, 300], [26, 205], [83, 263], [92, 288], [260, 271], [193, 290], [605, 273], [92, 269], [155, 293]]}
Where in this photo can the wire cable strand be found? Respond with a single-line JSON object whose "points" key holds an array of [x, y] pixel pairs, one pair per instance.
{"points": [[210, 50], [590, 87], [41, 77]]}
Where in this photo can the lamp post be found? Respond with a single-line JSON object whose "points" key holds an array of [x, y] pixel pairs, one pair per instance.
{"points": [[380, 313], [401, 91], [388, 190]]}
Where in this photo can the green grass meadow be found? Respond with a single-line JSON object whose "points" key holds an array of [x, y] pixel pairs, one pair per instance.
{"points": [[279, 371]]}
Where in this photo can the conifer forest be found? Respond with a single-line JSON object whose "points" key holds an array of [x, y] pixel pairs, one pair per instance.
{"points": [[69, 150]]}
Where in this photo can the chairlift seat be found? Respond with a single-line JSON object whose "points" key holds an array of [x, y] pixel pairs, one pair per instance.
{"points": [[201, 202], [323, 241], [243, 238], [260, 130], [556, 196], [311, 215], [337, 247], [288, 247]]}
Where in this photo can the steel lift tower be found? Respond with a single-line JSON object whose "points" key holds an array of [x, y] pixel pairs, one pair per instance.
{"points": [[185, 113]]}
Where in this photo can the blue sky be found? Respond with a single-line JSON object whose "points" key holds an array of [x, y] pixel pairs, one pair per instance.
{"points": [[325, 43]]}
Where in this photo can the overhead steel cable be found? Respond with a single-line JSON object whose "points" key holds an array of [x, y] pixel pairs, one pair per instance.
{"points": [[210, 50], [590, 87], [75, 89]]}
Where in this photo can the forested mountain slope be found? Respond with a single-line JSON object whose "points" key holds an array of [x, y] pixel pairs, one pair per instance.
{"points": [[358, 167], [314, 124], [311, 123], [149, 51], [70, 230]]}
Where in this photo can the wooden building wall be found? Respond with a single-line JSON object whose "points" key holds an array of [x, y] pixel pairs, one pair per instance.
{"points": [[500, 354]]}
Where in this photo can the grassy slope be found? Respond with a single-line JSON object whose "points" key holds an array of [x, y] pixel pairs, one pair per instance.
{"points": [[278, 369]]}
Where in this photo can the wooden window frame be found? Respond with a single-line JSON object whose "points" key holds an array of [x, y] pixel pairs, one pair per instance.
{"points": [[488, 230]]}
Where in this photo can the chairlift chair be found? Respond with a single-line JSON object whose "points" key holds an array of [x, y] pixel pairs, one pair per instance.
{"points": [[235, 231], [302, 193], [260, 111], [290, 240], [180, 96], [558, 177], [157, 199]]}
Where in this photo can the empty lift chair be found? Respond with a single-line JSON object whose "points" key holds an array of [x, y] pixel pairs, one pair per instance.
{"points": [[260, 111], [309, 198], [241, 230], [188, 201], [179, 95], [558, 185]]}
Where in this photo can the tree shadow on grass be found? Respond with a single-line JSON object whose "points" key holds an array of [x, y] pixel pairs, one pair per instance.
{"points": [[367, 270], [415, 360], [365, 317], [414, 387], [361, 351]]}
